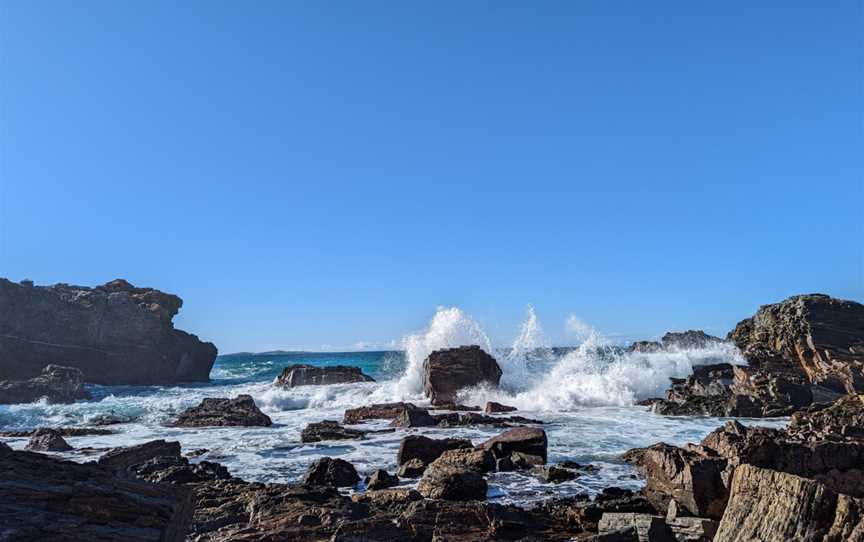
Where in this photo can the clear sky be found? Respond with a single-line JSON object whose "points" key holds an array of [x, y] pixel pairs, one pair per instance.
{"points": [[322, 173]]}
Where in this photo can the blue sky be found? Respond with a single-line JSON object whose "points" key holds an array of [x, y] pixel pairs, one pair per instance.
{"points": [[320, 173]]}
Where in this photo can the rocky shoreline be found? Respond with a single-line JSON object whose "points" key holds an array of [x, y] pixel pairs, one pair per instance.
{"points": [[805, 482]]}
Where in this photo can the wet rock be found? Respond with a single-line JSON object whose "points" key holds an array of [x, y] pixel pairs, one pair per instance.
{"points": [[455, 407], [47, 440], [427, 449], [770, 505], [412, 468], [452, 483], [414, 417], [445, 372], [556, 475], [56, 383], [114, 333], [815, 336], [528, 441], [329, 471], [62, 431], [464, 419], [496, 408], [467, 458], [123, 458], [178, 470], [311, 375], [329, 430], [44, 498], [240, 411], [694, 480], [689, 340], [109, 419], [378, 411], [381, 479], [648, 528]]}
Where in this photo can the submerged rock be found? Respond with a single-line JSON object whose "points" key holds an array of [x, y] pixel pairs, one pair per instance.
{"points": [[445, 372], [114, 333], [240, 411], [56, 383], [47, 440], [329, 471], [329, 430], [311, 375]]}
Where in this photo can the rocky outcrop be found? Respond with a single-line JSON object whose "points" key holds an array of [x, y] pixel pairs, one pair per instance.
{"points": [[55, 383], [684, 340], [44, 498], [47, 440], [814, 336], [329, 430], [731, 390], [841, 420], [445, 372], [126, 457], [770, 505], [452, 483], [496, 408], [311, 375], [240, 411], [379, 411], [114, 333], [522, 447], [425, 450], [329, 471]]}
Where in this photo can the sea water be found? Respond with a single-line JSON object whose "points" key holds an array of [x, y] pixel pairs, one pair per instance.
{"points": [[585, 395]]}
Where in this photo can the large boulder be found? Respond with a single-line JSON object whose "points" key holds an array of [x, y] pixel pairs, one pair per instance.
{"points": [[522, 447], [453, 483], [329, 471], [770, 505], [816, 336], [44, 498], [426, 449], [311, 375], [693, 480], [124, 457], [55, 383], [115, 333], [48, 440], [240, 411], [445, 372]]}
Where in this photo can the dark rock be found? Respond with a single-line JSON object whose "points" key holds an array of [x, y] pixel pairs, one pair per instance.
{"points": [[689, 339], [627, 534], [463, 419], [240, 411], [56, 383], [815, 336], [329, 471], [841, 420], [378, 411], [530, 441], [178, 470], [109, 419], [467, 458], [62, 431], [381, 479], [455, 407], [445, 372], [557, 475], [770, 505], [329, 430], [427, 449], [497, 408], [47, 440], [452, 483], [412, 468], [693, 480], [414, 417], [311, 375], [44, 498], [645, 347], [123, 458], [114, 333]]}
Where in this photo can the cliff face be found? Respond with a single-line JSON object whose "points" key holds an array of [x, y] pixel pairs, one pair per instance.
{"points": [[814, 335], [115, 333]]}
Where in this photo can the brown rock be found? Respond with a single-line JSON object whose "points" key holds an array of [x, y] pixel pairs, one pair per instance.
{"points": [[427, 449], [445, 372], [240, 411], [55, 383], [452, 483], [123, 458], [497, 408], [378, 411], [380, 479], [114, 333], [311, 375], [329, 471], [47, 440], [329, 430], [525, 440]]}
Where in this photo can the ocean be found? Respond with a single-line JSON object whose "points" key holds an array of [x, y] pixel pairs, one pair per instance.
{"points": [[586, 396]]}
